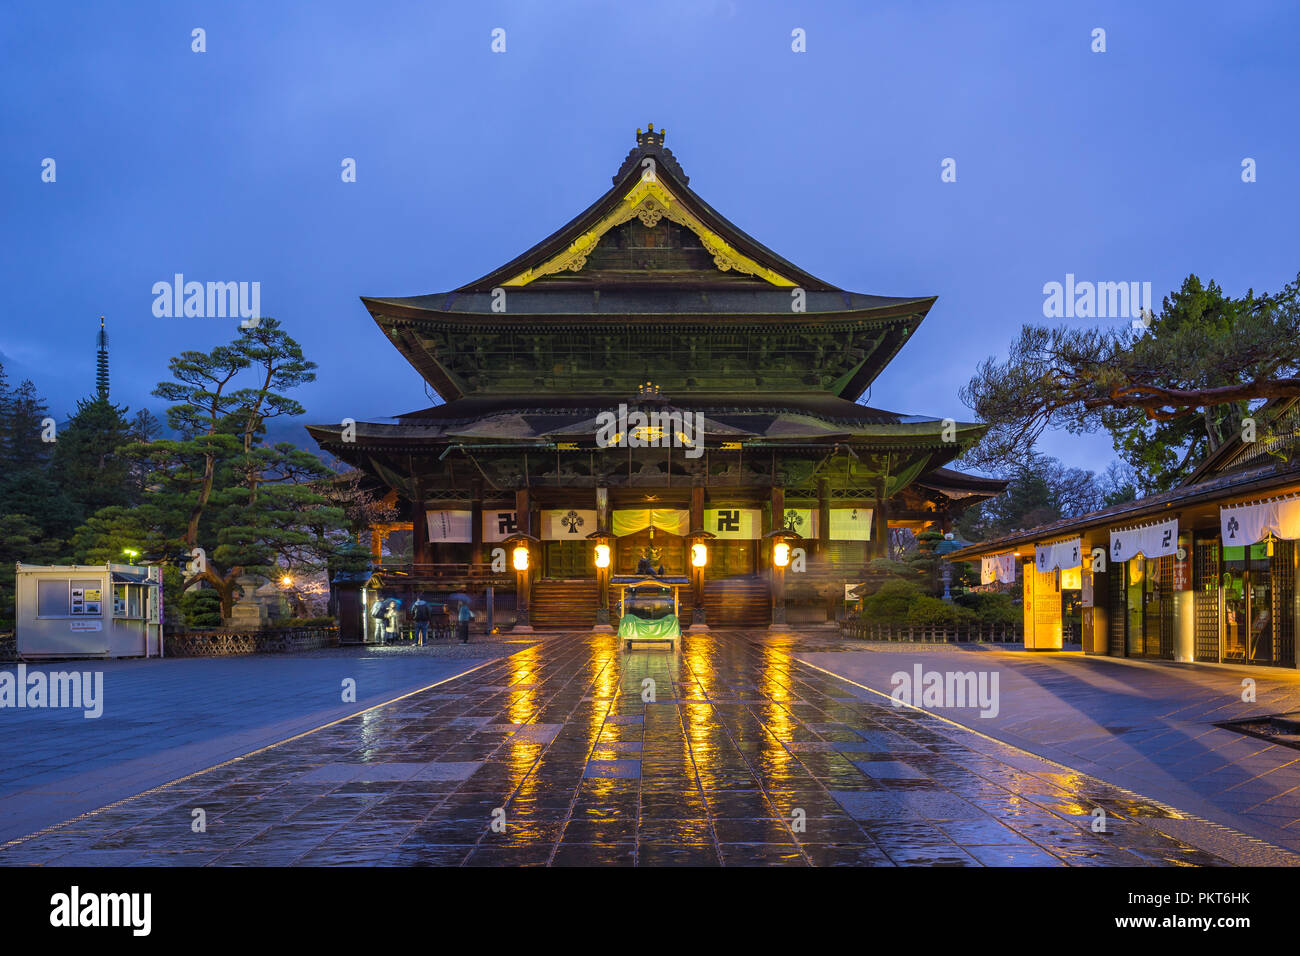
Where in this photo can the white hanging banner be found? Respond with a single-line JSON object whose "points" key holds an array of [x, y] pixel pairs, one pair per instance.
{"points": [[450, 527], [1160, 540], [1250, 524], [1125, 544], [499, 525], [802, 521], [568, 524], [1064, 555], [1152, 540], [734, 524], [850, 524], [998, 567]]}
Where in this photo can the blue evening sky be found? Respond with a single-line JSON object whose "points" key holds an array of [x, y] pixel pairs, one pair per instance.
{"points": [[224, 165]]}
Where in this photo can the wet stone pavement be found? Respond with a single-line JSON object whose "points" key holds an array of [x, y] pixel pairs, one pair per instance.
{"points": [[573, 752]]}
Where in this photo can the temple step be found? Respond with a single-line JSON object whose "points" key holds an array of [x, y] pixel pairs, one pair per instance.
{"points": [[737, 602], [564, 605]]}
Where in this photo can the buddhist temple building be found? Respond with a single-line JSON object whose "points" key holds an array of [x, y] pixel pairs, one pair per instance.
{"points": [[650, 382], [1204, 572]]}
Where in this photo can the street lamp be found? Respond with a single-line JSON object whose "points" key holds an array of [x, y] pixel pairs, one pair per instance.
{"points": [[781, 539], [699, 541], [520, 546], [603, 552]]}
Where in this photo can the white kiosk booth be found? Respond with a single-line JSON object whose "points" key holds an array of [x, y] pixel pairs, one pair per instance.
{"points": [[110, 610]]}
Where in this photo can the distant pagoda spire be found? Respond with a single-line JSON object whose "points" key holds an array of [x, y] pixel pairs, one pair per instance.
{"points": [[101, 363]]}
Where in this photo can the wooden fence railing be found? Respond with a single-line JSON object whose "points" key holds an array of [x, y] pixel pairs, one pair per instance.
{"points": [[234, 643], [933, 633]]}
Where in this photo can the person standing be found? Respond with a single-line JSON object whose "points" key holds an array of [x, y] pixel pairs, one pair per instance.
{"points": [[463, 617], [378, 611], [390, 621], [421, 613]]}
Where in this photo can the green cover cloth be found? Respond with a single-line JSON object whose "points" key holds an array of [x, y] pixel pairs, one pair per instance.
{"points": [[639, 628]]}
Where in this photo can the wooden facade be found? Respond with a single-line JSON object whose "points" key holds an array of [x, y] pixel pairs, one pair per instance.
{"points": [[747, 371], [1212, 595]]}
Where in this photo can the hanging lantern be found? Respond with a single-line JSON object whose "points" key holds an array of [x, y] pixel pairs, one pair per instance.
{"points": [[781, 554], [521, 557], [699, 554], [602, 555]]}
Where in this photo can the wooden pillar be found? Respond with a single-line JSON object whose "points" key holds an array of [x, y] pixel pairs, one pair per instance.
{"points": [[1096, 606], [602, 509], [476, 555], [420, 551], [823, 515], [881, 530], [778, 507], [523, 511]]}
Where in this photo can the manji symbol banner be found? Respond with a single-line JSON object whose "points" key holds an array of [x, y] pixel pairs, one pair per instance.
{"points": [[499, 525], [1153, 540], [570, 524], [732, 524]]}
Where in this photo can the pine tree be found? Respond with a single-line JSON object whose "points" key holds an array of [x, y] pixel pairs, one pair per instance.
{"points": [[27, 440], [86, 462], [218, 488]]}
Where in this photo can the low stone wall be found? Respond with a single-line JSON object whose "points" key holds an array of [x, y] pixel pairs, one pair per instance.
{"points": [[933, 633], [234, 643]]}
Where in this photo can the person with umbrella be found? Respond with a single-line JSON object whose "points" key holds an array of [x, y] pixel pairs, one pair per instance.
{"points": [[463, 617], [421, 615], [391, 607]]}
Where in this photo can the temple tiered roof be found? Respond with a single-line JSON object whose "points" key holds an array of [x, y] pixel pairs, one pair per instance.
{"points": [[649, 282]]}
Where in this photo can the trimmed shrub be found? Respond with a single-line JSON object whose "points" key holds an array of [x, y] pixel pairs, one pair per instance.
{"points": [[890, 604], [888, 566], [202, 608], [991, 608], [932, 610]]}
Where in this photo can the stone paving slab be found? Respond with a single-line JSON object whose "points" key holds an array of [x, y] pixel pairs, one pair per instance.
{"points": [[167, 718], [1146, 726], [721, 776]]}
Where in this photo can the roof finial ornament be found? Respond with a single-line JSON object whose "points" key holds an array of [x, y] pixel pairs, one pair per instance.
{"points": [[650, 137], [646, 140]]}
